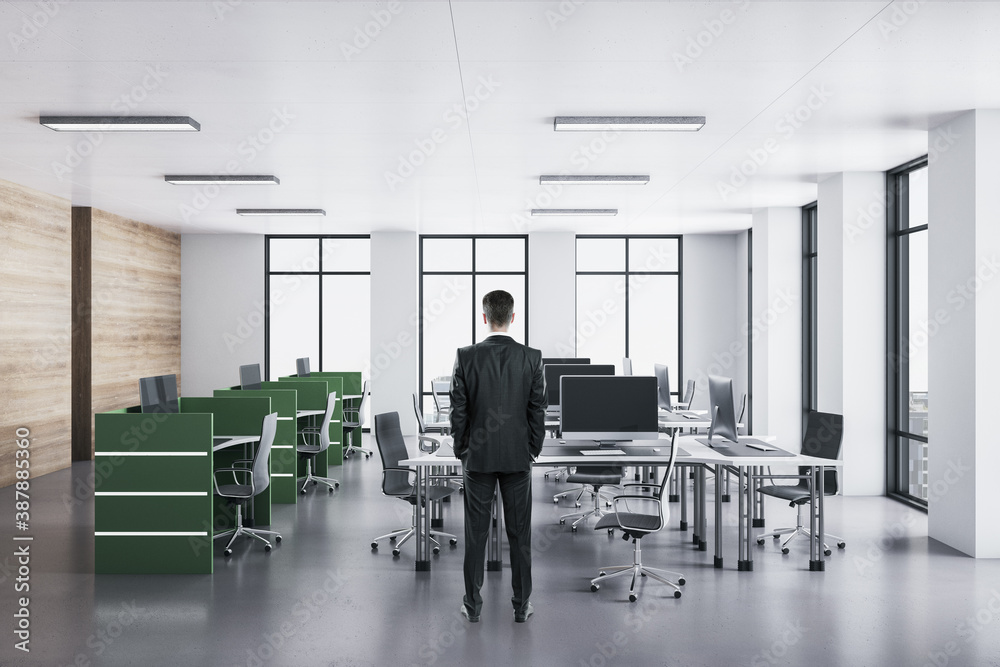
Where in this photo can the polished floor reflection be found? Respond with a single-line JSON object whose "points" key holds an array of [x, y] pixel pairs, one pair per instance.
{"points": [[323, 597]]}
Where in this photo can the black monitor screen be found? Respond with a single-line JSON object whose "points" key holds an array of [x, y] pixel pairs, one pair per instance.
{"points": [[250, 376], [614, 407], [565, 360], [302, 367], [159, 394], [555, 371]]}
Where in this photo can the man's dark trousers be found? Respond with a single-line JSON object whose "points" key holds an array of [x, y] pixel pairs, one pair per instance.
{"points": [[515, 491]]}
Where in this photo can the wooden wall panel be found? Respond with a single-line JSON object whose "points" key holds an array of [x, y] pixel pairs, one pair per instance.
{"points": [[136, 306], [35, 328]]}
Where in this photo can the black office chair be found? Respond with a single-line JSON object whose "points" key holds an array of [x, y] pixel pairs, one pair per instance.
{"points": [[309, 451], [354, 417], [595, 477], [824, 433], [396, 481], [255, 479], [635, 526]]}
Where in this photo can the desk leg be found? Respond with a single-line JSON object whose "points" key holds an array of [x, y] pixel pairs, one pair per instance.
{"points": [[758, 498], [674, 495], [423, 562], [680, 475], [816, 534], [745, 563], [702, 518], [695, 509], [437, 518], [494, 557], [718, 515]]}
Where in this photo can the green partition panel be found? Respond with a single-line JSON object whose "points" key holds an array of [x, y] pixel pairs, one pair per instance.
{"points": [[353, 383], [325, 386], [283, 401], [235, 416], [152, 493]]}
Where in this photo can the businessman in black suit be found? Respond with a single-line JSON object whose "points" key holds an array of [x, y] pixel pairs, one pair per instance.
{"points": [[498, 423]]}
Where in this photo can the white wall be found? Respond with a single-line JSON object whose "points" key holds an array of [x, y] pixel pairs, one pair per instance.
{"points": [[712, 341], [552, 293], [776, 326], [964, 298], [851, 321], [394, 319], [222, 309]]}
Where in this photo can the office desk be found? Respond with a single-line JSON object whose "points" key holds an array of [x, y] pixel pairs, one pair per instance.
{"points": [[643, 453], [225, 441]]}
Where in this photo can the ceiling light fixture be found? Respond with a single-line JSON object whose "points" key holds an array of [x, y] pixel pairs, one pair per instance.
{"points": [[574, 211], [120, 123], [223, 180], [629, 123], [581, 179], [280, 211]]}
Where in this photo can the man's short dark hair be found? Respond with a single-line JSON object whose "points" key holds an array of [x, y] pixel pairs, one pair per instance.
{"points": [[498, 306]]}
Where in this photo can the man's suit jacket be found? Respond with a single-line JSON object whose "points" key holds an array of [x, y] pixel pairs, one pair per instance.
{"points": [[498, 405]]}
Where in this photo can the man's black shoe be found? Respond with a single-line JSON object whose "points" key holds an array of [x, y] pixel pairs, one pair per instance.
{"points": [[469, 617], [522, 616]]}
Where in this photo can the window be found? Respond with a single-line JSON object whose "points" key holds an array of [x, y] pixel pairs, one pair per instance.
{"points": [[455, 273], [907, 402], [319, 303], [810, 359], [628, 302]]}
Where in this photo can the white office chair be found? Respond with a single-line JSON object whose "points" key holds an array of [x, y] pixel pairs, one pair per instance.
{"points": [[354, 417]]}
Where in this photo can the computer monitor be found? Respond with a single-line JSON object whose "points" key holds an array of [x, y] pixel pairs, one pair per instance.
{"points": [[159, 394], [609, 408], [250, 376], [302, 367], [662, 387], [565, 360], [626, 366], [720, 402], [553, 372]]}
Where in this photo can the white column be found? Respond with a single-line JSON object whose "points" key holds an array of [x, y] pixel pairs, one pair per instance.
{"points": [[776, 324], [551, 293], [394, 319], [851, 322], [963, 355]]}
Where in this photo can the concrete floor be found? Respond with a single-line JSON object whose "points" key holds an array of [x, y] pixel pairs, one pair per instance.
{"points": [[323, 597]]}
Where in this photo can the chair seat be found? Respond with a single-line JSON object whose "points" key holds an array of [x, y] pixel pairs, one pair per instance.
{"points": [[308, 450], [592, 478], [409, 493], [644, 523], [793, 493], [235, 490]]}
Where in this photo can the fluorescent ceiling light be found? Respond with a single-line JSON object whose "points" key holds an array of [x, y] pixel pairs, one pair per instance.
{"points": [[629, 123], [223, 180], [120, 123], [574, 211], [280, 211], [577, 178]]}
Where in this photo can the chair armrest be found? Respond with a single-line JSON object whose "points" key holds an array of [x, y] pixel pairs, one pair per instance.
{"points": [[234, 470], [435, 443], [625, 498], [409, 471]]}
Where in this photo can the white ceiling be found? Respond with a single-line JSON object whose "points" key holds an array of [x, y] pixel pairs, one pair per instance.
{"points": [[887, 73]]}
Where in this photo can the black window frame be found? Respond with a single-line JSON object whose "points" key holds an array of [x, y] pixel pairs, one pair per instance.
{"points": [[810, 310], [897, 316], [627, 273]]}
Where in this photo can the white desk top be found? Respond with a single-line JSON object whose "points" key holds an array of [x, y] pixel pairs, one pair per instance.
{"points": [[309, 413], [224, 441]]}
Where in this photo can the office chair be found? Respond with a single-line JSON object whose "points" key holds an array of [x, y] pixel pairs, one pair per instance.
{"points": [[636, 525], [396, 480], [824, 433], [424, 427], [689, 390], [309, 452], [441, 392], [255, 479], [596, 477], [355, 420]]}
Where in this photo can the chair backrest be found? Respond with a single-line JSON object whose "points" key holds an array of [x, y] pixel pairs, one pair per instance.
{"points": [[667, 474], [261, 469], [324, 433], [364, 400], [626, 366], [662, 386], [392, 450], [689, 393], [421, 426], [440, 390], [823, 438]]}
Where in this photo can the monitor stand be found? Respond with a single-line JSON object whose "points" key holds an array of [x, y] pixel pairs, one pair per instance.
{"points": [[610, 444]]}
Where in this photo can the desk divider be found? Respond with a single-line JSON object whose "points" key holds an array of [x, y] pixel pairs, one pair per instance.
{"points": [[318, 389], [284, 402], [353, 382]]}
